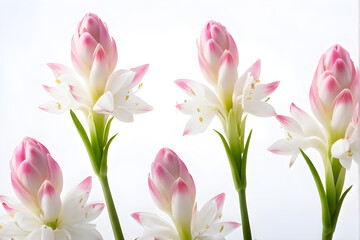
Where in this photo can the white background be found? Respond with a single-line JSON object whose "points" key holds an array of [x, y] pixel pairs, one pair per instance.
{"points": [[288, 36]]}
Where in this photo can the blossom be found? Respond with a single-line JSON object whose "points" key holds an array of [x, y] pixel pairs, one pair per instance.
{"points": [[95, 86], [348, 148], [31, 165], [41, 214], [173, 190], [334, 90], [247, 97], [58, 220], [301, 131]]}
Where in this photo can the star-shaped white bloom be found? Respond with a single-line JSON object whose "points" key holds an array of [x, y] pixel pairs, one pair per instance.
{"points": [[69, 219], [205, 223], [301, 131], [117, 99]]}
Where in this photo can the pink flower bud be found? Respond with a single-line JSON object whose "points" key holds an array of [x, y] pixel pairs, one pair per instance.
{"points": [[334, 90], [92, 34], [214, 40], [30, 166], [166, 172]]}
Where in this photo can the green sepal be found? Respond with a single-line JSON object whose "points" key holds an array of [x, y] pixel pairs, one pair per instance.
{"points": [[340, 183], [242, 133], [330, 187], [107, 129], [85, 139], [94, 139], [338, 207], [103, 166], [326, 218], [244, 161], [234, 170], [233, 137]]}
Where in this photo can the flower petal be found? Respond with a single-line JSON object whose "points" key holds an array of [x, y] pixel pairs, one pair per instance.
{"points": [[139, 73], [49, 201], [105, 104], [343, 111], [159, 199], [120, 80], [182, 205], [290, 124], [100, 71], [198, 123]]}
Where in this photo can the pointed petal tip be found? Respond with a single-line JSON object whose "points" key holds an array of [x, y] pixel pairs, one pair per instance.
{"points": [[86, 184], [136, 216]]}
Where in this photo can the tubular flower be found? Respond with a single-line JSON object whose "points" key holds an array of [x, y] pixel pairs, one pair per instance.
{"points": [[173, 190], [334, 90], [204, 104], [31, 165], [349, 148], [68, 219], [301, 131], [95, 86]]}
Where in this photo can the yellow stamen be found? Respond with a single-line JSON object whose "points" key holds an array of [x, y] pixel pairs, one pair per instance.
{"points": [[192, 91], [198, 109], [127, 97], [252, 85], [0, 227], [221, 229], [140, 85], [257, 80], [289, 135], [59, 106], [86, 215], [58, 81], [207, 226], [137, 104], [220, 216], [248, 98], [201, 119], [80, 200], [12, 216]]}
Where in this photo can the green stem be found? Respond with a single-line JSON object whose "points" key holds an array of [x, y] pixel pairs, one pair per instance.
{"points": [[327, 234], [244, 215], [115, 223]]}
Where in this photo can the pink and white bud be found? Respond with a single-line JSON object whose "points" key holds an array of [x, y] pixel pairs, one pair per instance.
{"points": [[91, 35], [335, 88], [166, 171], [49, 202], [30, 166], [214, 40]]}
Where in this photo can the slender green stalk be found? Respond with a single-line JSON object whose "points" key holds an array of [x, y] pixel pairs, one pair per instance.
{"points": [[114, 219], [97, 147], [327, 234], [244, 215]]}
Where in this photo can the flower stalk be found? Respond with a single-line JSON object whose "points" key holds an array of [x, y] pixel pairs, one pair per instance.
{"points": [[97, 147]]}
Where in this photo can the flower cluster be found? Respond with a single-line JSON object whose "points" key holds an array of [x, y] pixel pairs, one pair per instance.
{"points": [[334, 99], [41, 213], [95, 86], [173, 191], [218, 59]]}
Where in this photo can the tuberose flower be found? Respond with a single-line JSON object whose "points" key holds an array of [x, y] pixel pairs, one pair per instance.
{"points": [[41, 213], [301, 131], [348, 148], [95, 86], [173, 190], [58, 220], [247, 97]]}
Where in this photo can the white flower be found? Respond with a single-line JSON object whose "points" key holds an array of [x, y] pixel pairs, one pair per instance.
{"points": [[118, 98], [301, 131], [348, 149], [69, 219], [205, 224]]}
